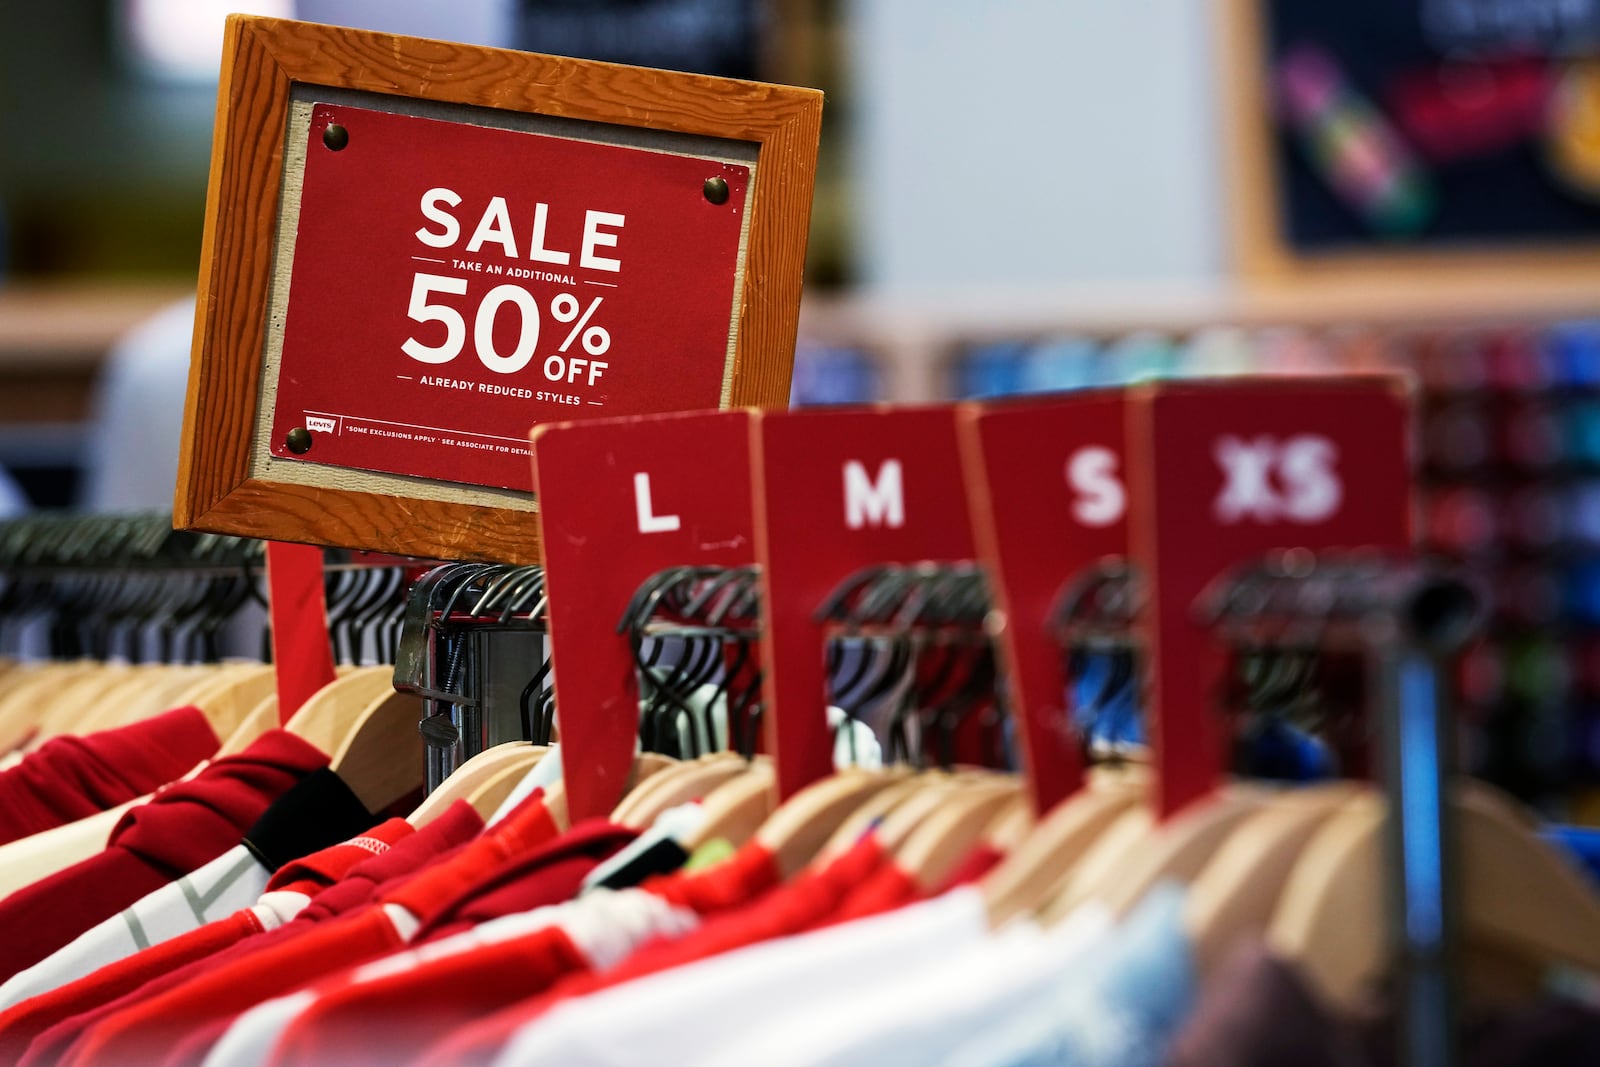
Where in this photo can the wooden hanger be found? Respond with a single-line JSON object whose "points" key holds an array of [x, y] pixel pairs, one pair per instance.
{"points": [[1238, 890], [736, 809], [488, 796], [936, 847], [30, 690], [802, 824], [328, 715], [260, 719], [1110, 851], [1037, 870], [231, 700], [683, 787], [88, 702], [1010, 827], [646, 766], [381, 755], [165, 691], [1517, 895], [475, 774], [634, 800], [937, 789], [1172, 851], [869, 814], [203, 687]]}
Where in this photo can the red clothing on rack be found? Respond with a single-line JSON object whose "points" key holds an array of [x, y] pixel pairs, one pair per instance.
{"points": [[550, 874], [449, 830], [188, 824], [23, 1022], [756, 910], [70, 778], [153, 1024], [437, 996]]}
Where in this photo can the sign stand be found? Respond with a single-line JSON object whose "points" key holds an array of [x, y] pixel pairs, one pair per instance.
{"points": [[416, 251]]}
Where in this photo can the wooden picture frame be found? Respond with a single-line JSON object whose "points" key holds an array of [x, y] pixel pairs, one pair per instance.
{"points": [[1261, 252], [227, 480]]}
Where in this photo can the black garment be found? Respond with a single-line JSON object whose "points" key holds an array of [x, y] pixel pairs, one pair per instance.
{"points": [[317, 813]]}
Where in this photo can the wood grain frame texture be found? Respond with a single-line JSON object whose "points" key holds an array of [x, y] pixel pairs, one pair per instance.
{"points": [[1261, 252], [262, 59]]}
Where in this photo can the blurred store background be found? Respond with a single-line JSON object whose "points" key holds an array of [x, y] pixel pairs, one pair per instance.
{"points": [[1012, 198]]}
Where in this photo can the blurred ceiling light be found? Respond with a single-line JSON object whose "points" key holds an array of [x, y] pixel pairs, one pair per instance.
{"points": [[180, 41]]}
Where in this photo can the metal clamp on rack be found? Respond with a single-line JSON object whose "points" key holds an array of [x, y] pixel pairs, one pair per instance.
{"points": [[1409, 620], [469, 635]]}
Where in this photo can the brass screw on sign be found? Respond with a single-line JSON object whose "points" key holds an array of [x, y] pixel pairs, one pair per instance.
{"points": [[298, 440], [716, 190], [335, 137]]}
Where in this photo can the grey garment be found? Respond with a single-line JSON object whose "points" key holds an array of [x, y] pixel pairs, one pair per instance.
{"points": [[132, 456], [12, 499], [1258, 1012]]}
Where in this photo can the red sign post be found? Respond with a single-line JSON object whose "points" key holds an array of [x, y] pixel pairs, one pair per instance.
{"points": [[1049, 496], [455, 284], [620, 500], [1221, 474], [836, 491]]}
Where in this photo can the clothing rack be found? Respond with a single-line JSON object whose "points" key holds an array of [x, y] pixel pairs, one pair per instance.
{"points": [[939, 678], [689, 627], [101, 583], [1410, 620]]}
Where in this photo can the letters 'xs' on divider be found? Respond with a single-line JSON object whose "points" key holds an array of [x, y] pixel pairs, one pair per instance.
{"points": [[1222, 473], [623, 499], [1049, 499], [836, 491]]}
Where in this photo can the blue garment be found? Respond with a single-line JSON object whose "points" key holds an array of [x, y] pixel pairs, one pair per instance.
{"points": [[1581, 843], [1105, 701], [1119, 1010], [1280, 751]]}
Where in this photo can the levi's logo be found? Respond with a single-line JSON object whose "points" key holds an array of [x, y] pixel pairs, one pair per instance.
{"points": [[321, 423], [1268, 480]]}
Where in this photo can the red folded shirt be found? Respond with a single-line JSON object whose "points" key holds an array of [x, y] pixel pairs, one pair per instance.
{"points": [[71, 778], [450, 829], [145, 1031], [23, 1022], [185, 826], [340, 1027]]}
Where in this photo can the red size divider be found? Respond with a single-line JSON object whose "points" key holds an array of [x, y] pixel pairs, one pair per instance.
{"points": [[1220, 474], [836, 491], [619, 500], [1049, 499], [302, 652]]}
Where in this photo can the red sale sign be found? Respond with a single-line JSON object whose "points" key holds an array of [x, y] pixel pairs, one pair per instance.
{"points": [[455, 285]]}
